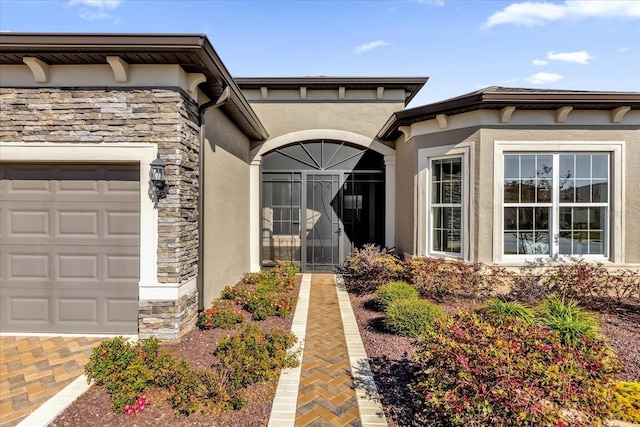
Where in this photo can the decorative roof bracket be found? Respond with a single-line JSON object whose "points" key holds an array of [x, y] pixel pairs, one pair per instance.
{"points": [[193, 80], [505, 113], [120, 68], [39, 68], [562, 113], [442, 121], [617, 114]]}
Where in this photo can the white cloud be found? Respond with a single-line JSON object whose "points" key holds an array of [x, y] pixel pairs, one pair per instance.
{"points": [[538, 13], [369, 46], [580, 57], [89, 15], [544, 78], [539, 62], [96, 9], [623, 49], [99, 4], [432, 2]]}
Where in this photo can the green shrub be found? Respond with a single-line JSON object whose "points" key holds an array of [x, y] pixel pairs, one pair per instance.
{"points": [[221, 314], [590, 283], [124, 369], [266, 293], [264, 304], [499, 312], [370, 267], [410, 317], [627, 401], [473, 373], [567, 318], [256, 355], [392, 291], [279, 279], [438, 278]]}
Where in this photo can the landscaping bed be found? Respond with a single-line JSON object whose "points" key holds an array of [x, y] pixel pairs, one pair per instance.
{"points": [[391, 355], [94, 408], [475, 369], [446, 289]]}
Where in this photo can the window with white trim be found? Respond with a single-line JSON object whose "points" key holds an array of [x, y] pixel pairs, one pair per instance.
{"points": [[446, 205], [556, 204]]}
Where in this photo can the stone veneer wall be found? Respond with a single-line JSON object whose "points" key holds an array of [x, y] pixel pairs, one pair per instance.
{"points": [[166, 117]]}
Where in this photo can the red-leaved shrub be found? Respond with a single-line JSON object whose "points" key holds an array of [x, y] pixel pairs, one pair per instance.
{"points": [[472, 373]]}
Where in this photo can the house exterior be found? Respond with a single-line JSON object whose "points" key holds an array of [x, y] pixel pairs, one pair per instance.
{"points": [[261, 170]]}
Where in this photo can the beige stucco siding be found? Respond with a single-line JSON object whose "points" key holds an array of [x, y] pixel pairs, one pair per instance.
{"points": [[361, 118], [406, 193], [226, 205], [485, 204], [407, 157]]}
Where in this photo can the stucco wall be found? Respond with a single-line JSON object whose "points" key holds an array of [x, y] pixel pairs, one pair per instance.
{"points": [[407, 182], [632, 178], [482, 182], [362, 118], [226, 205]]}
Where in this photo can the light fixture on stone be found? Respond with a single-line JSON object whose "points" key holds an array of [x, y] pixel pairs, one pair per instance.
{"points": [[159, 187]]}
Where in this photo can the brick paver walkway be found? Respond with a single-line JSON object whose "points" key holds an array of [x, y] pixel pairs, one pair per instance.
{"points": [[34, 369], [326, 396]]}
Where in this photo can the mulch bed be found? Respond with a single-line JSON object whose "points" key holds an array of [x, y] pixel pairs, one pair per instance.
{"points": [[390, 358], [93, 409]]}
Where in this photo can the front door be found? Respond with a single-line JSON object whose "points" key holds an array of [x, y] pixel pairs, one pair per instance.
{"points": [[323, 228]]}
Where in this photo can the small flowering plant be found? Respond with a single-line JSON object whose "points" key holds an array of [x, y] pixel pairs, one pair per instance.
{"points": [[139, 405], [222, 314]]}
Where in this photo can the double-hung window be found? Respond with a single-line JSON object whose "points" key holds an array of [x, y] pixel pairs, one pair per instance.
{"points": [[556, 204], [446, 205]]}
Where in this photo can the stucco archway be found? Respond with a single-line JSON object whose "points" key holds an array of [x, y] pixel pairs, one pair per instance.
{"points": [[256, 154]]}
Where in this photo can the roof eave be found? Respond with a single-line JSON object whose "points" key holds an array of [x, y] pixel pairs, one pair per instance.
{"points": [[196, 44], [497, 100]]}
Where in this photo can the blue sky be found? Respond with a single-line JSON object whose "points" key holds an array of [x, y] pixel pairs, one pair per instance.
{"points": [[461, 45]]}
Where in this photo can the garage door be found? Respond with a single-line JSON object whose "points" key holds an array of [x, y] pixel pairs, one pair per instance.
{"points": [[69, 248]]}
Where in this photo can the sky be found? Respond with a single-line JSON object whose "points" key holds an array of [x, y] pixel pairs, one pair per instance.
{"points": [[461, 45]]}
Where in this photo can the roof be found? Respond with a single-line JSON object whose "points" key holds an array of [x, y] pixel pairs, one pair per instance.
{"points": [[496, 98], [411, 85], [193, 52]]}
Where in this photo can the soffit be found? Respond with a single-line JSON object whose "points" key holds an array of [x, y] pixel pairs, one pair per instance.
{"points": [[193, 52], [497, 98], [411, 85]]}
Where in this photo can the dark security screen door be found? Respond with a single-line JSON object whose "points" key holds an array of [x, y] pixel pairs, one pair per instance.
{"points": [[320, 200], [322, 225]]}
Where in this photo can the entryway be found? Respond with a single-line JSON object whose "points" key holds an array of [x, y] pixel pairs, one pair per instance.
{"points": [[320, 200]]}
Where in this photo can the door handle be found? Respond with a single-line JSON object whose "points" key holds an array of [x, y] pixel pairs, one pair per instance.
{"points": [[339, 231]]}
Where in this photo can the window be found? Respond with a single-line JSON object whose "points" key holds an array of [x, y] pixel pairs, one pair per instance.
{"points": [[281, 195], [556, 204], [446, 205]]}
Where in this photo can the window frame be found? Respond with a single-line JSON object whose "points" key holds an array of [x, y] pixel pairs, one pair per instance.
{"points": [[424, 228], [614, 226], [294, 179], [433, 205]]}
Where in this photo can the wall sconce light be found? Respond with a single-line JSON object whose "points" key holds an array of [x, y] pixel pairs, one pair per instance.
{"points": [[159, 187]]}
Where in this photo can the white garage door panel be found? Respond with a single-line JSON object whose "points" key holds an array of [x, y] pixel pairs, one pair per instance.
{"points": [[69, 257]]}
